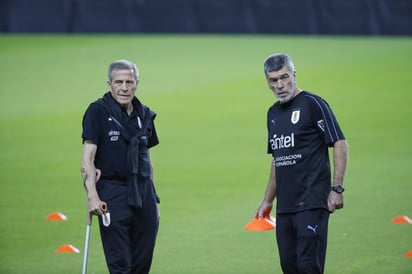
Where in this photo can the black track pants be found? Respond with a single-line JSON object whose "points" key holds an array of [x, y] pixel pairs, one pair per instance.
{"points": [[129, 241], [302, 241]]}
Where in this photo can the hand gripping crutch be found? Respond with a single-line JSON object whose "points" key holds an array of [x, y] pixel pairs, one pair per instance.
{"points": [[106, 222]]}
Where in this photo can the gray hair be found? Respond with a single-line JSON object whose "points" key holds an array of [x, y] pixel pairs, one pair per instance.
{"points": [[123, 65], [277, 61]]}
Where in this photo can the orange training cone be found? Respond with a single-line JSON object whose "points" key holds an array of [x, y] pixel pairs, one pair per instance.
{"points": [[408, 254], [401, 220], [56, 216], [66, 248], [261, 224]]}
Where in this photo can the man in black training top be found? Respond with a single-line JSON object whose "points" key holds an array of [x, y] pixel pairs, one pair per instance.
{"points": [[118, 131], [301, 128]]}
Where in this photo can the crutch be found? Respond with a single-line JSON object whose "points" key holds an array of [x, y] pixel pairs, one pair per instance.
{"points": [[86, 243], [106, 222]]}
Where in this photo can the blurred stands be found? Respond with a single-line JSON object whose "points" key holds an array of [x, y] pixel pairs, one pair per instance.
{"points": [[352, 17]]}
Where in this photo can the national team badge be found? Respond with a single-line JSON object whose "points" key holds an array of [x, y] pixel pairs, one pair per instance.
{"points": [[295, 116]]}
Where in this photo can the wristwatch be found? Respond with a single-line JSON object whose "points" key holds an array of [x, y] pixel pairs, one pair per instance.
{"points": [[338, 189]]}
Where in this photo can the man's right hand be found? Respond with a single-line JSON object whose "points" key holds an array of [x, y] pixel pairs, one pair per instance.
{"points": [[263, 210], [95, 206]]}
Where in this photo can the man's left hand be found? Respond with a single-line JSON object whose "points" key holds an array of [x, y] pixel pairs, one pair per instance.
{"points": [[335, 201]]}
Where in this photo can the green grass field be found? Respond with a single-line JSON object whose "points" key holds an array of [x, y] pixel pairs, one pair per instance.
{"points": [[211, 167]]}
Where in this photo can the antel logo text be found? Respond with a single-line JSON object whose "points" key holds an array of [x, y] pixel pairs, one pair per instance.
{"points": [[282, 141]]}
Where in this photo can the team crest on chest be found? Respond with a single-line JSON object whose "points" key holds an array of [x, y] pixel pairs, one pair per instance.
{"points": [[295, 116]]}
